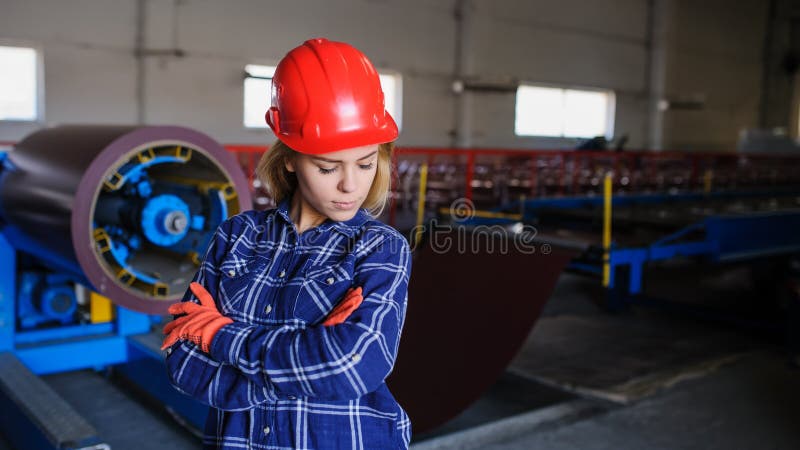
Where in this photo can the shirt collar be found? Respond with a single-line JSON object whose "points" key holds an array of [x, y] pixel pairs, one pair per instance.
{"points": [[348, 227], [283, 209]]}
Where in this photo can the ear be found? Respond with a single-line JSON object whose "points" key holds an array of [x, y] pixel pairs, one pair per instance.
{"points": [[289, 164]]}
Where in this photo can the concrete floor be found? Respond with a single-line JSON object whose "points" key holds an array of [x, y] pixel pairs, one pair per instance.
{"points": [[648, 378], [751, 404]]}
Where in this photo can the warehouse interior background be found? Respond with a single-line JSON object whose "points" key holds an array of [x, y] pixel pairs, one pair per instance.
{"points": [[704, 80], [183, 61]]}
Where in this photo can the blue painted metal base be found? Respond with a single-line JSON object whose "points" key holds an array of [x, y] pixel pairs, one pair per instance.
{"points": [[64, 356], [8, 292], [80, 346], [52, 349]]}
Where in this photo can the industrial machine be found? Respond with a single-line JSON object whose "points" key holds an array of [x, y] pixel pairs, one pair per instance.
{"points": [[627, 211], [101, 228]]}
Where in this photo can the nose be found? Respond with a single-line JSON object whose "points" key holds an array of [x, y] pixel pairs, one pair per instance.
{"points": [[348, 180]]}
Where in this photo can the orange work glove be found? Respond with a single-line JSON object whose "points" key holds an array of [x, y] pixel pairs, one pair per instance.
{"points": [[200, 324], [352, 299]]}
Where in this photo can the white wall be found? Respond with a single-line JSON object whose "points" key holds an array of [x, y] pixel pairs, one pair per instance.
{"points": [[715, 52], [600, 44], [91, 68], [204, 89], [87, 47]]}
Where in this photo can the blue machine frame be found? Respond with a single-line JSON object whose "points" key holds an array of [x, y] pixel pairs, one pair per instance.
{"points": [[126, 343], [68, 347], [725, 238]]}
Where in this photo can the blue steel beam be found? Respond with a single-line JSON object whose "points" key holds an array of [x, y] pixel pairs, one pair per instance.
{"points": [[754, 235], [80, 354], [7, 294]]}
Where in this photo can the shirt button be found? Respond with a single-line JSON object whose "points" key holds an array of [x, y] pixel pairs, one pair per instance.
{"points": [[356, 357], [231, 273], [268, 309], [266, 430], [282, 274], [292, 397], [330, 280]]}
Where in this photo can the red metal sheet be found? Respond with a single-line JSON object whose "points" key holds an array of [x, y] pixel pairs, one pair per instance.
{"points": [[469, 313]]}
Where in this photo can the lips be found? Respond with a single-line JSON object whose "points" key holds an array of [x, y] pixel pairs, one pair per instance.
{"points": [[344, 205]]}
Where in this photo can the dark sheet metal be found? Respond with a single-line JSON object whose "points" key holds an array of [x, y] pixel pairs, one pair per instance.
{"points": [[37, 192], [469, 312]]}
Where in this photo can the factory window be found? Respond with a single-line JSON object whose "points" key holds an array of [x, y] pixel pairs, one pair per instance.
{"points": [[392, 85], [257, 87], [560, 112], [19, 99]]}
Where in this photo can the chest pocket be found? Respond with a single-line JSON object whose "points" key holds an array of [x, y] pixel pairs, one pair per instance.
{"points": [[238, 277], [323, 288]]}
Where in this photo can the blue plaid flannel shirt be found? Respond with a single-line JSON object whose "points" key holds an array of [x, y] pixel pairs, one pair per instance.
{"points": [[278, 379]]}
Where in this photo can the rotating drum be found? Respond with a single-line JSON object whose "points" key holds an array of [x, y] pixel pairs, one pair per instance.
{"points": [[128, 211]]}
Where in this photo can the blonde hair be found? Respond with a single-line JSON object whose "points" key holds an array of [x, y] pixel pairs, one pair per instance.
{"points": [[281, 183]]}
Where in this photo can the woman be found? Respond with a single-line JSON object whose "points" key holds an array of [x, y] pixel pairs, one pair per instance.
{"points": [[293, 321]]}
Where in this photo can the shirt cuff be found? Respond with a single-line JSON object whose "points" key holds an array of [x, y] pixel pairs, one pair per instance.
{"points": [[227, 343]]}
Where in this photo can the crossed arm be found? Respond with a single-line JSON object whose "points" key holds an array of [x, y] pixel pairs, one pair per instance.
{"points": [[250, 364]]}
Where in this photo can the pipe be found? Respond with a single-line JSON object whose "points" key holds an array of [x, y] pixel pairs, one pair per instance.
{"points": [[138, 51], [658, 14], [463, 47]]}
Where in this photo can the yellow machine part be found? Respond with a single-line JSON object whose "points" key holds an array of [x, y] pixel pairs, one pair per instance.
{"points": [[100, 308]]}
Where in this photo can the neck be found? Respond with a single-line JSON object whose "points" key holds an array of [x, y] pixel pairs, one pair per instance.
{"points": [[302, 214]]}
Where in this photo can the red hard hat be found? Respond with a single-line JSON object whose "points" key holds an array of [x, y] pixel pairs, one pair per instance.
{"points": [[326, 96]]}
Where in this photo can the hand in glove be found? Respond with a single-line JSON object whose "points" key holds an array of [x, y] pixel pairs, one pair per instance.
{"points": [[352, 300], [200, 324]]}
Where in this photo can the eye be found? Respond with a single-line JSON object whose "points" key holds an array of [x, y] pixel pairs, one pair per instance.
{"points": [[366, 166], [327, 171]]}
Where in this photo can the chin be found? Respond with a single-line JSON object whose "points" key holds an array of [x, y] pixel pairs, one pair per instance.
{"points": [[342, 216]]}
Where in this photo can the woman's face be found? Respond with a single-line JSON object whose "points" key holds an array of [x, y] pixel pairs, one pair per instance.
{"points": [[336, 184]]}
